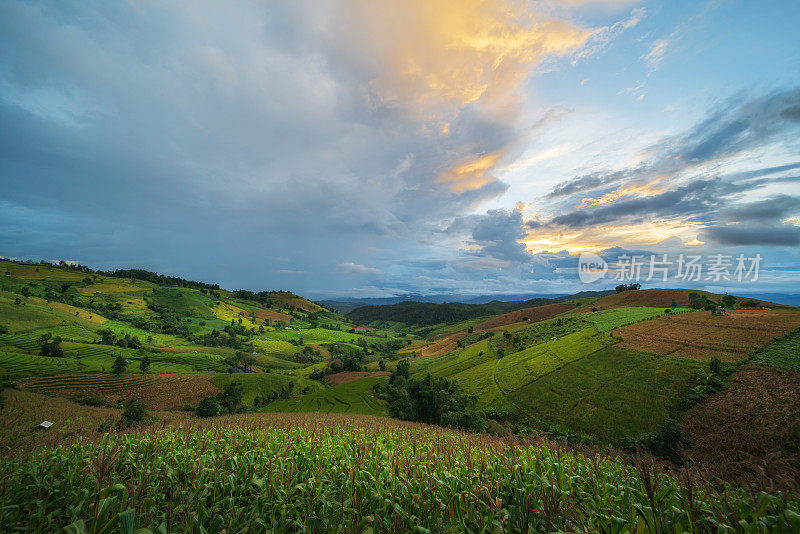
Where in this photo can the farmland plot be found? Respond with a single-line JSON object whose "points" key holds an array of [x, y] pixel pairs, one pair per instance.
{"points": [[164, 392], [703, 336]]}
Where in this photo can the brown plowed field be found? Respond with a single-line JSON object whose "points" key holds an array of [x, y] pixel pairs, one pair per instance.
{"points": [[349, 376], [534, 315], [158, 392], [750, 432], [703, 336]]}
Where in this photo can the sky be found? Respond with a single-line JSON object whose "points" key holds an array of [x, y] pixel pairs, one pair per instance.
{"points": [[361, 148]]}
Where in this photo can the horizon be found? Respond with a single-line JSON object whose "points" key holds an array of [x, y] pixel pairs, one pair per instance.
{"points": [[472, 148]]}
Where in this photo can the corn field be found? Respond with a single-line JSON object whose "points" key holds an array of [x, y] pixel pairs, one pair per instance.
{"points": [[307, 473]]}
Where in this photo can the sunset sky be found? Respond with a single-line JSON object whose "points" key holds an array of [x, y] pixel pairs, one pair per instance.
{"points": [[379, 148]]}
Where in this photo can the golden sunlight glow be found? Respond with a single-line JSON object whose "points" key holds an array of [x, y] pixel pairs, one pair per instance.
{"points": [[471, 174], [598, 238], [641, 190], [456, 52]]}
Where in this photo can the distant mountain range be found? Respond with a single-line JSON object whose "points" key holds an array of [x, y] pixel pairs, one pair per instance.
{"points": [[346, 305]]}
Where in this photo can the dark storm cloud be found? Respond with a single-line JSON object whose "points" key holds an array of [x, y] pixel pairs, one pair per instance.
{"points": [[753, 235], [158, 135], [770, 209], [692, 200]]}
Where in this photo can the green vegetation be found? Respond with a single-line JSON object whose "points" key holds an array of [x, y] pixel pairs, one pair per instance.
{"points": [[607, 320], [783, 353], [352, 476], [351, 397]]}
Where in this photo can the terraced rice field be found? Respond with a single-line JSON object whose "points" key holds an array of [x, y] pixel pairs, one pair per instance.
{"points": [[17, 364], [518, 369], [703, 336], [26, 342], [352, 397], [164, 392]]}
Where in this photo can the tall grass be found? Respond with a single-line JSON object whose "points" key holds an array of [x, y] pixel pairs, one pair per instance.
{"points": [[357, 474]]}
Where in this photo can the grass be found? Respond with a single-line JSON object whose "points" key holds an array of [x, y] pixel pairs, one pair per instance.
{"points": [[352, 397], [783, 353], [357, 474]]}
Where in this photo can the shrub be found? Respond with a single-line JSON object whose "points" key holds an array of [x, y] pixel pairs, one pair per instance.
{"points": [[208, 407], [91, 401], [666, 443], [134, 412]]}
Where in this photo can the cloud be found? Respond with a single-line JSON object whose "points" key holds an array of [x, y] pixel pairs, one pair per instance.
{"points": [[753, 235], [355, 268], [498, 235], [679, 188], [735, 127]]}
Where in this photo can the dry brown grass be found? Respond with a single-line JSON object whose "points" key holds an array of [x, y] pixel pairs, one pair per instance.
{"points": [[750, 432], [703, 336]]}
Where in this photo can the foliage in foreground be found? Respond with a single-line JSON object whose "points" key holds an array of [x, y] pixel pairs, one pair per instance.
{"points": [[356, 474]]}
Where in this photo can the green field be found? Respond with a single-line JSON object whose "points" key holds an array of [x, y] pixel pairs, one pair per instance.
{"points": [[783, 353], [352, 397], [612, 393], [606, 320]]}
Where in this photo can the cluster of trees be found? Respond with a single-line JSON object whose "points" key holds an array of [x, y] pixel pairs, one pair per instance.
{"points": [[627, 287], [432, 400], [127, 341], [50, 346], [226, 401], [241, 361]]}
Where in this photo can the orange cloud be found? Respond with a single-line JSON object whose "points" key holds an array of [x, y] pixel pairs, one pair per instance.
{"points": [[606, 236], [456, 52], [471, 174], [641, 190]]}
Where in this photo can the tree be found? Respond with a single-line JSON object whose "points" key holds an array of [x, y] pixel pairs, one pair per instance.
{"points": [[120, 364], [403, 369], [381, 365], [208, 407], [3, 329], [729, 301], [144, 363], [231, 396], [134, 412]]}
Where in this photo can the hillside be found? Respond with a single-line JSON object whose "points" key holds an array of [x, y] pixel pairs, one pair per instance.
{"points": [[611, 370]]}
